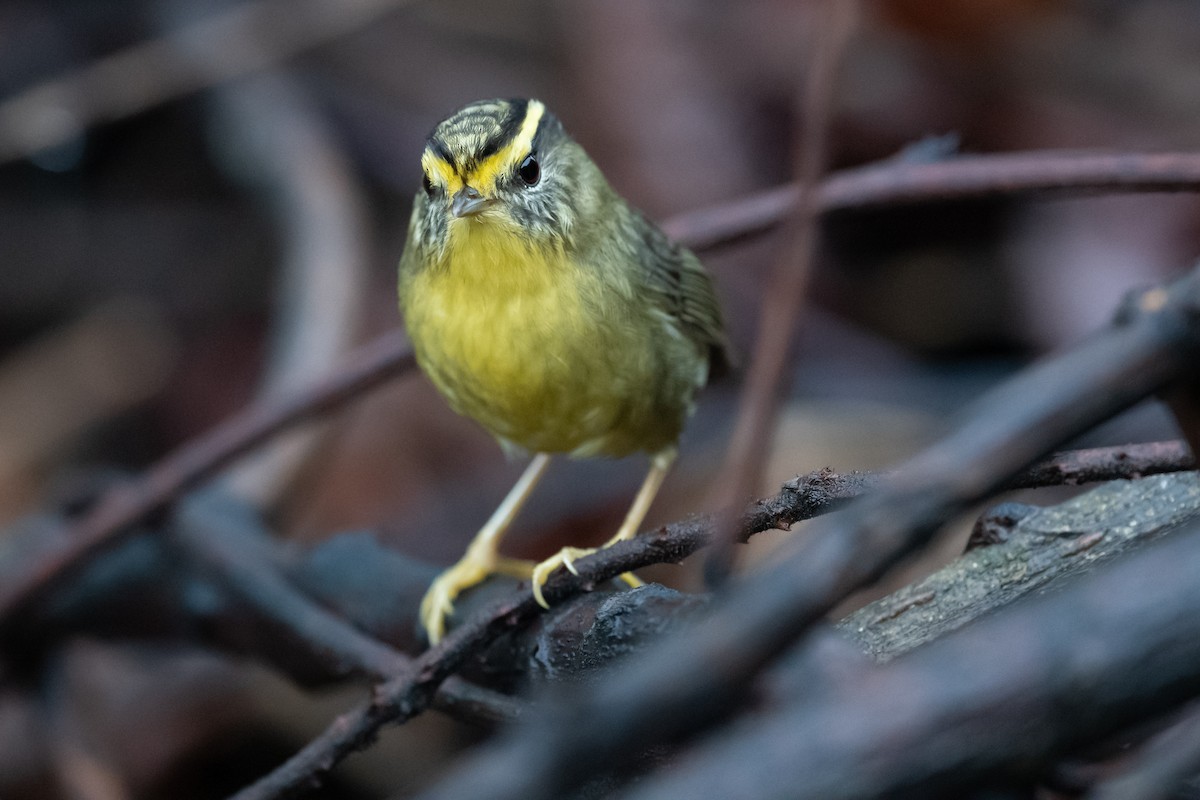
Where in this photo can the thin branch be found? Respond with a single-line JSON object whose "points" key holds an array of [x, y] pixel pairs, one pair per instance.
{"points": [[111, 518], [302, 176], [1076, 467], [582, 636], [758, 408], [898, 182], [824, 489], [213, 531], [397, 700], [245, 39]]}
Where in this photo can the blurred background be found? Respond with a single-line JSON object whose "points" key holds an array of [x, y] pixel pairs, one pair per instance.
{"points": [[225, 193]]}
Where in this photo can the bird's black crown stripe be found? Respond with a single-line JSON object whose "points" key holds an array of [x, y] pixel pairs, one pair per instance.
{"points": [[441, 151], [510, 126]]}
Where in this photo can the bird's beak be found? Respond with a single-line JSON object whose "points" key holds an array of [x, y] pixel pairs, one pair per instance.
{"points": [[468, 202]]}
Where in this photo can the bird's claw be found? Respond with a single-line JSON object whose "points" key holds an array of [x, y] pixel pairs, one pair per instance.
{"points": [[566, 558], [438, 603], [563, 558]]}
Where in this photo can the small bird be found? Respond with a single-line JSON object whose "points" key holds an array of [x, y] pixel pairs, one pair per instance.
{"points": [[549, 310]]}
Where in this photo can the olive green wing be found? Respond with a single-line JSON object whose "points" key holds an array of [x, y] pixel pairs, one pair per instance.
{"points": [[678, 284]]}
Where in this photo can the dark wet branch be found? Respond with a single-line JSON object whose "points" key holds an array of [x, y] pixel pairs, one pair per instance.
{"points": [[273, 619], [139, 589], [1030, 547], [994, 702]]}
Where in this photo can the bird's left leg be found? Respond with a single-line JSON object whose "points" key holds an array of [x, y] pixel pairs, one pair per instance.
{"points": [[660, 465], [482, 557]]}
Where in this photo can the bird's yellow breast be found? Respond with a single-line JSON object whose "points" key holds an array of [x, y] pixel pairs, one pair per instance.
{"points": [[536, 348]]}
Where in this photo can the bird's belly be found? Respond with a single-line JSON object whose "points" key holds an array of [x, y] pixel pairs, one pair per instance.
{"points": [[540, 370]]}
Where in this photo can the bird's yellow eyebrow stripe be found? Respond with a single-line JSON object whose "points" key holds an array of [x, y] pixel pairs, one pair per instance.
{"points": [[440, 172], [485, 174]]}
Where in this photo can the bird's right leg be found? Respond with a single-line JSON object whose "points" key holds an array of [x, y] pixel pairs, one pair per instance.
{"points": [[660, 465], [482, 557]]}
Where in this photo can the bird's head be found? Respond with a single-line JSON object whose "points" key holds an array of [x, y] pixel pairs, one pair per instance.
{"points": [[505, 163]]}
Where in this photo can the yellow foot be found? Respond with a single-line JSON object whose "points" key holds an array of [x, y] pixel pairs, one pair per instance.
{"points": [[438, 603], [566, 558]]}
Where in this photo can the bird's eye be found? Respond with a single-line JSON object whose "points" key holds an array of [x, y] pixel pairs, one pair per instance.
{"points": [[530, 171], [426, 184]]}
